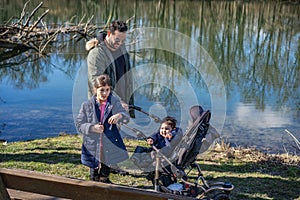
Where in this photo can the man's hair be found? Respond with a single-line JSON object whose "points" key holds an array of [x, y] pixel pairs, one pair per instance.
{"points": [[102, 80], [118, 25], [171, 121]]}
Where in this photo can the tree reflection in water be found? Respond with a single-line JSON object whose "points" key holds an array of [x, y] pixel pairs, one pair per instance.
{"points": [[255, 45]]}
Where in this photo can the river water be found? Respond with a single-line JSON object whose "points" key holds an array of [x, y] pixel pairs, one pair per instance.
{"points": [[240, 60]]}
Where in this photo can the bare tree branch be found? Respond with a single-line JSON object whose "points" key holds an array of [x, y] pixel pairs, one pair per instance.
{"points": [[26, 34], [32, 14]]}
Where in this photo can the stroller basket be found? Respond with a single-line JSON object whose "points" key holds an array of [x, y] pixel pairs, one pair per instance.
{"points": [[172, 178]]}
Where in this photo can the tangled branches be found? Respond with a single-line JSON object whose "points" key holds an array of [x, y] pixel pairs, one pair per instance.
{"points": [[26, 34]]}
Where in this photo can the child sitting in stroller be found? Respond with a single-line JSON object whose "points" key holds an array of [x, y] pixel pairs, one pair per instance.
{"points": [[172, 162], [165, 139]]}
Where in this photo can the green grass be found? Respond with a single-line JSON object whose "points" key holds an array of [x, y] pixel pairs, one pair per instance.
{"points": [[255, 175]]}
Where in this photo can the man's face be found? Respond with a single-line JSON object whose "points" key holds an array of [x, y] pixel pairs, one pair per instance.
{"points": [[116, 40]]}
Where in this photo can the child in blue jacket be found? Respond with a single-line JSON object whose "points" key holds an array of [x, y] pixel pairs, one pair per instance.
{"points": [[103, 146], [165, 140]]}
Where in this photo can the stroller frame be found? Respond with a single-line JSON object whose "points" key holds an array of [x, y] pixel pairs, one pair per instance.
{"points": [[200, 188]]}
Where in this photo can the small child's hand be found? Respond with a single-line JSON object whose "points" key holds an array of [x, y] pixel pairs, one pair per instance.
{"points": [[98, 128], [114, 119], [149, 141], [169, 135]]}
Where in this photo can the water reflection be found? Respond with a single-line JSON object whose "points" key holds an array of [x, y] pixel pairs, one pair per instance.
{"points": [[268, 118], [254, 45]]}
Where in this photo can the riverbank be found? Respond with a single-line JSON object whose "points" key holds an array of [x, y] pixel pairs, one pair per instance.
{"points": [[255, 175]]}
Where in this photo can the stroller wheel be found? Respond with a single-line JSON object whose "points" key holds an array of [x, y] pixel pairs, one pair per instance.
{"points": [[221, 196]]}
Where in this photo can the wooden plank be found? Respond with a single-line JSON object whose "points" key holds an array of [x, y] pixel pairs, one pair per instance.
{"points": [[3, 192], [18, 195], [62, 187]]}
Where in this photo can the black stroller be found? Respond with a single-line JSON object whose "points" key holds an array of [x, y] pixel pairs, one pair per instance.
{"points": [[170, 173]]}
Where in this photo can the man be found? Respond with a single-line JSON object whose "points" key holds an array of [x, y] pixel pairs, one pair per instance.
{"points": [[111, 57]]}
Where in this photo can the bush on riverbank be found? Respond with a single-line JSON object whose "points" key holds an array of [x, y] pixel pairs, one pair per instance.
{"points": [[256, 175]]}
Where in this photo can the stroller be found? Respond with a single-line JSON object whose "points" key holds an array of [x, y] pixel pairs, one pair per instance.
{"points": [[170, 174]]}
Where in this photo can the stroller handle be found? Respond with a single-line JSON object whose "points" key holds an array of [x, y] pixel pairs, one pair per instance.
{"points": [[135, 107], [154, 117], [136, 131]]}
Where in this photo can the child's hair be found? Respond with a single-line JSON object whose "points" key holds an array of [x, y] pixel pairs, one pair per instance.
{"points": [[102, 80], [171, 121]]}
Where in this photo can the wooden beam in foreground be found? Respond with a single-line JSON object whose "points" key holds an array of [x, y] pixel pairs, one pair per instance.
{"points": [[62, 187]]}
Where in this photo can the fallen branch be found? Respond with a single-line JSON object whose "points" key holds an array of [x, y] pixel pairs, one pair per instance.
{"points": [[28, 34], [295, 140], [32, 14]]}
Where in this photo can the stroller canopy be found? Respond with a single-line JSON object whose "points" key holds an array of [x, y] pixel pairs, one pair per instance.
{"points": [[189, 147]]}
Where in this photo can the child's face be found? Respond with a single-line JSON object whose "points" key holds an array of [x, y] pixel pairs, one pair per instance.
{"points": [[165, 130], [103, 93]]}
